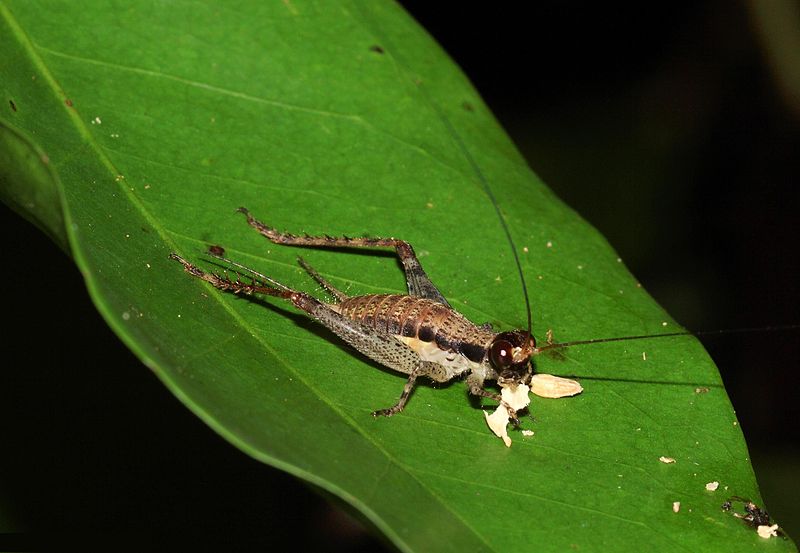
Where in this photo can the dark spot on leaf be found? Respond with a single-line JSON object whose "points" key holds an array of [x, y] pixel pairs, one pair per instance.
{"points": [[68, 102], [216, 250], [13, 105], [467, 106], [377, 49]]}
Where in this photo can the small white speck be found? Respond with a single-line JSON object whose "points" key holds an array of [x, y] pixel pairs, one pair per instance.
{"points": [[527, 432], [126, 316], [666, 460], [540, 277], [644, 356], [179, 315], [147, 187], [525, 249], [147, 265], [549, 244], [676, 506], [580, 267], [735, 423], [96, 121], [127, 236], [429, 205], [619, 260], [712, 486], [498, 279], [664, 323], [114, 135]]}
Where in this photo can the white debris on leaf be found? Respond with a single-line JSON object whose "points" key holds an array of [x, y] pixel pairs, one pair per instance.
{"points": [[547, 385], [767, 532], [712, 486], [676, 506], [666, 460], [517, 398], [527, 432]]}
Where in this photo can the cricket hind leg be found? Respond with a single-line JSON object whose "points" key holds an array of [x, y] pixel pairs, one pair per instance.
{"points": [[417, 280]]}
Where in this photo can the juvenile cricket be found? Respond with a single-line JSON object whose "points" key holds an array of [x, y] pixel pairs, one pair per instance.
{"points": [[419, 333]]}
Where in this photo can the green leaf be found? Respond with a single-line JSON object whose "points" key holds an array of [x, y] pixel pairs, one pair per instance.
{"points": [[151, 125]]}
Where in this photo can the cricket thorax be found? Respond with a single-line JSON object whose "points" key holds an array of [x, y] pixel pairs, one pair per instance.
{"points": [[434, 331]]}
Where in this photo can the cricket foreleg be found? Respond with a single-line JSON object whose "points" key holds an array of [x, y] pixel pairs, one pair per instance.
{"points": [[418, 282], [475, 387]]}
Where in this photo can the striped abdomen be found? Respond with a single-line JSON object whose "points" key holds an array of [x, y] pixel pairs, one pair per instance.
{"points": [[421, 318]]}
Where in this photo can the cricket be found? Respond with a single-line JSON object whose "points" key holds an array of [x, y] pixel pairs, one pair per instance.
{"points": [[418, 334]]}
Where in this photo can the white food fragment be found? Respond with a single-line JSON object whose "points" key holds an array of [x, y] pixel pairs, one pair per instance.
{"points": [[666, 460], [712, 486], [518, 399], [527, 432], [676, 506], [549, 244], [644, 356], [767, 532], [547, 385]]}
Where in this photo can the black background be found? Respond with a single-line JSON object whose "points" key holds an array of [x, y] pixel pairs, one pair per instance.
{"points": [[665, 130]]}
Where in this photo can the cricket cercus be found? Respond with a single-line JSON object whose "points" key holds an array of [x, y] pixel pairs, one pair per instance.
{"points": [[418, 334]]}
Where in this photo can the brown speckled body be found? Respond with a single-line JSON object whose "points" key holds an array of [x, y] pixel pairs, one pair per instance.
{"points": [[421, 318]]}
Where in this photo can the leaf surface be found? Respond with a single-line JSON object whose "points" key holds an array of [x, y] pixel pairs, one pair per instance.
{"points": [[153, 122]]}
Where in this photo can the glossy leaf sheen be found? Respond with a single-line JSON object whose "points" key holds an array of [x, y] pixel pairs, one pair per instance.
{"points": [[153, 121]]}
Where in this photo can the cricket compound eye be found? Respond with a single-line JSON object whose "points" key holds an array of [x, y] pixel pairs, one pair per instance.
{"points": [[501, 354]]}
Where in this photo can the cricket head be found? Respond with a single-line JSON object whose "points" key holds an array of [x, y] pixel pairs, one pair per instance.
{"points": [[510, 355]]}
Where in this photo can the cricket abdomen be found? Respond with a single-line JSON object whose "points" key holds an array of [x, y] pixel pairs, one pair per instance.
{"points": [[419, 319]]}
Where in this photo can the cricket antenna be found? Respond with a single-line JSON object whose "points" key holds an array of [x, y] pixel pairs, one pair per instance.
{"points": [[507, 231], [485, 185], [562, 345]]}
